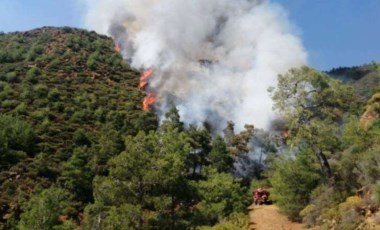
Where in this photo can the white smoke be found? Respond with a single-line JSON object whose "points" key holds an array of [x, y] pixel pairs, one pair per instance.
{"points": [[213, 59]]}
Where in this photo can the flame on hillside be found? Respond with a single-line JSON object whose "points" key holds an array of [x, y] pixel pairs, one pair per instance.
{"points": [[225, 42], [149, 101], [117, 47], [284, 134], [145, 78]]}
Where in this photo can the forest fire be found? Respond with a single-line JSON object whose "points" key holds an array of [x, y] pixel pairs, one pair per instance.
{"points": [[144, 78], [149, 100], [284, 134], [117, 47]]}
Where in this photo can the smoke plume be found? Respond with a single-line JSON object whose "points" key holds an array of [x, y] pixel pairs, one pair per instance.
{"points": [[213, 59]]}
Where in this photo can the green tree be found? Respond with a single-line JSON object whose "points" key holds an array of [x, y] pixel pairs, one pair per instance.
{"points": [[313, 105], [16, 140], [125, 216], [110, 144], [80, 138], [238, 144], [150, 174], [219, 196], [172, 121], [200, 148], [220, 157], [43, 209], [293, 180], [77, 176]]}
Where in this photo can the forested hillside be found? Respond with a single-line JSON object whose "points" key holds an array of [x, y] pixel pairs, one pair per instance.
{"points": [[77, 150], [365, 79], [67, 99]]}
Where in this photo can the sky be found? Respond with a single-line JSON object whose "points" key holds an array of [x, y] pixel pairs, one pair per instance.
{"points": [[334, 32]]}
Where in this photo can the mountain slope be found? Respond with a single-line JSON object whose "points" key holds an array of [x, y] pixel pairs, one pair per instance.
{"points": [[365, 79], [74, 93]]}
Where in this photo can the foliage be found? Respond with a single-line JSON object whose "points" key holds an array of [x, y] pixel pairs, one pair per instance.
{"points": [[72, 123], [75, 142], [153, 185], [324, 118], [76, 174], [313, 105], [236, 221], [292, 181], [16, 141], [238, 144], [43, 210], [220, 195], [220, 157], [61, 120], [148, 175]]}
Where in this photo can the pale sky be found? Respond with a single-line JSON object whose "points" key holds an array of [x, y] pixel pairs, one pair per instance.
{"points": [[334, 32]]}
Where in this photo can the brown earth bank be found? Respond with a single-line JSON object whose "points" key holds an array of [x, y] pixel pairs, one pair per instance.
{"points": [[268, 217]]}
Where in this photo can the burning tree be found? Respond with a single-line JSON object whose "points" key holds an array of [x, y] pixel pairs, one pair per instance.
{"points": [[150, 98]]}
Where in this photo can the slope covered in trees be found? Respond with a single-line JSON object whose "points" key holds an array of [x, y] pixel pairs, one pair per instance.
{"points": [[77, 150], [67, 99], [365, 79]]}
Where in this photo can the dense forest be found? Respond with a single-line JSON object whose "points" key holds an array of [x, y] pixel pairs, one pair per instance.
{"points": [[77, 150]]}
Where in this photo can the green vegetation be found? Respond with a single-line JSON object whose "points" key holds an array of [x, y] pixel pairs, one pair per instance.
{"points": [[77, 151], [331, 174], [61, 121]]}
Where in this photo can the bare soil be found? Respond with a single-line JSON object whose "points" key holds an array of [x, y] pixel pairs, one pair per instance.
{"points": [[268, 217]]}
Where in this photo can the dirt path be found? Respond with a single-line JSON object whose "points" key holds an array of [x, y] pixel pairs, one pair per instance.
{"points": [[267, 217]]}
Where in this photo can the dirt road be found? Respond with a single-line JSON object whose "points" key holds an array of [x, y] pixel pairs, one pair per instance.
{"points": [[267, 217]]}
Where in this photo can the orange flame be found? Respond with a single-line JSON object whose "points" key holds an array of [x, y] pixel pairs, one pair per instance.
{"points": [[145, 77], [284, 134], [149, 100], [117, 47]]}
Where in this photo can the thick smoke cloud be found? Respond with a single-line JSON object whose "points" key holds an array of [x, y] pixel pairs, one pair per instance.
{"points": [[213, 59]]}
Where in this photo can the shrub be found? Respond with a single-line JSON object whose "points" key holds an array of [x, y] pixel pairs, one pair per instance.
{"points": [[41, 90], [38, 115], [236, 221], [347, 214], [369, 166], [221, 195], [80, 138], [54, 64], [91, 63], [293, 180], [17, 134], [31, 75], [42, 210], [54, 94], [12, 77], [92, 60], [2, 86], [9, 104], [21, 109], [376, 193], [323, 205]]}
